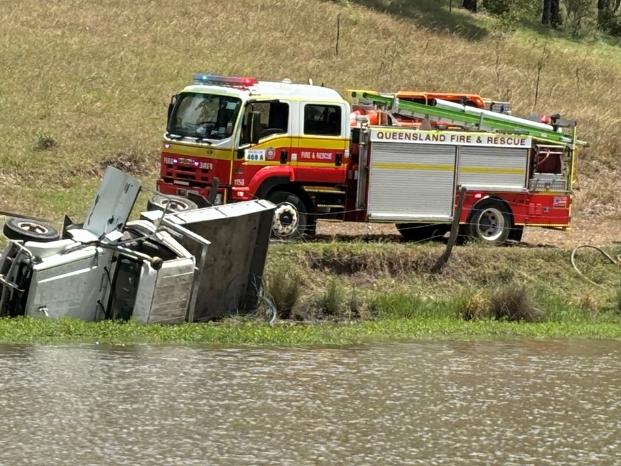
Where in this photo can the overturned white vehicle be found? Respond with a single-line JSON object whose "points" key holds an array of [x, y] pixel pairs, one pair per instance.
{"points": [[166, 267]]}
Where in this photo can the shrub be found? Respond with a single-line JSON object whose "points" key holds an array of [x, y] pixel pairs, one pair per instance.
{"points": [[497, 7], [283, 286], [474, 306], [331, 301], [44, 142], [513, 302]]}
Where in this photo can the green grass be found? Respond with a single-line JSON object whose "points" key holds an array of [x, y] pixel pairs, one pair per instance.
{"points": [[26, 330]]}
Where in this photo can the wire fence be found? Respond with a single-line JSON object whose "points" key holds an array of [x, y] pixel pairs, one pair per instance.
{"points": [[408, 228]]}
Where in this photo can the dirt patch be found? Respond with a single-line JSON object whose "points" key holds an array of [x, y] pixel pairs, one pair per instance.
{"points": [[583, 230], [388, 261], [136, 163]]}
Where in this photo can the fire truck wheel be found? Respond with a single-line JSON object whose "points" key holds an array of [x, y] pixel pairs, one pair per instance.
{"points": [[170, 203], [291, 219], [29, 230], [490, 223]]}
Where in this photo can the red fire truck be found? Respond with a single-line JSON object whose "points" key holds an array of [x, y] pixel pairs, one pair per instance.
{"points": [[236, 138]]}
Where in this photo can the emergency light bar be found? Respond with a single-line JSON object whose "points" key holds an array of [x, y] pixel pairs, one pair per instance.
{"points": [[234, 81]]}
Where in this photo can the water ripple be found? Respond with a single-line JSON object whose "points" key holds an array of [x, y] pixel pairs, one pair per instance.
{"points": [[524, 402]]}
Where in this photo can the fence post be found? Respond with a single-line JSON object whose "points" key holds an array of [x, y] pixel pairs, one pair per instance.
{"points": [[443, 259]]}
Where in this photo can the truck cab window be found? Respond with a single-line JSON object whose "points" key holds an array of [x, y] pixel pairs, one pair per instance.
{"points": [[274, 119], [324, 120], [204, 116]]}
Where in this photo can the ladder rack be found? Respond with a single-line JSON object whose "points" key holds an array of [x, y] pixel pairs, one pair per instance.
{"points": [[473, 117]]}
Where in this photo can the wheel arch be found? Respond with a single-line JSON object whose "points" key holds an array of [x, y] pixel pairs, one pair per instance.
{"points": [[273, 185], [491, 200]]}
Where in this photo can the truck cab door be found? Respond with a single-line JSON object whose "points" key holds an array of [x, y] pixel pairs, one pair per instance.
{"points": [[269, 142], [320, 147]]}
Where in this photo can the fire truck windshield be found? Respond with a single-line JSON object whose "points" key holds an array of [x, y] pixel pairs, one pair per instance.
{"points": [[204, 116]]}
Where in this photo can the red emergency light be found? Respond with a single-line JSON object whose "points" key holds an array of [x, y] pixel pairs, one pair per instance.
{"points": [[234, 81]]}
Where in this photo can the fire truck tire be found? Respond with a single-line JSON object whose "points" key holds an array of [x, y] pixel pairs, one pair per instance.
{"points": [[170, 203], [29, 230], [490, 222], [421, 231], [291, 217]]}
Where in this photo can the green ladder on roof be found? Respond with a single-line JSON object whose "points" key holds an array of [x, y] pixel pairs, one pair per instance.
{"points": [[483, 120]]}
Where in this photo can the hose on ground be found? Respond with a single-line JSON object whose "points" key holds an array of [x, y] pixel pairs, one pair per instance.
{"points": [[616, 261]]}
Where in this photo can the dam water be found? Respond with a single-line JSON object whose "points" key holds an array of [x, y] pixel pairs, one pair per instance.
{"points": [[449, 403]]}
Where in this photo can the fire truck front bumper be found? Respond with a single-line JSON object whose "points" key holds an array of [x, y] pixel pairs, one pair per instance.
{"points": [[241, 194], [199, 195]]}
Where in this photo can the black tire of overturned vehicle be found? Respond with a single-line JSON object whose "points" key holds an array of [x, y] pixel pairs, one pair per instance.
{"points": [[29, 230], [171, 203]]}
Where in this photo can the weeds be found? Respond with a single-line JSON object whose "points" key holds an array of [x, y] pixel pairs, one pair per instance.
{"points": [[283, 286], [44, 142], [513, 303], [131, 162], [474, 306], [331, 302]]}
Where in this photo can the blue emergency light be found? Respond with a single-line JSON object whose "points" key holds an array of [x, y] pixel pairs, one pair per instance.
{"points": [[233, 81]]}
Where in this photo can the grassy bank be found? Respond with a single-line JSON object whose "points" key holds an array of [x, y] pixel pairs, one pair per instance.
{"points": [[87, 83], [387, 280], [236, 333], [355, 292]]}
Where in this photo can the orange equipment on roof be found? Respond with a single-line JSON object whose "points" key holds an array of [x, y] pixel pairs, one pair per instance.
{"points": [[472, 100]]}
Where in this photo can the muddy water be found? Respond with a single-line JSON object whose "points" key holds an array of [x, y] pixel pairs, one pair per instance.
{"points": [[449, 403]]}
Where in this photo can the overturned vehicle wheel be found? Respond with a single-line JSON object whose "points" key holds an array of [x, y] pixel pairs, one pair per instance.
{"points": [[170, 203], [29, 230]]}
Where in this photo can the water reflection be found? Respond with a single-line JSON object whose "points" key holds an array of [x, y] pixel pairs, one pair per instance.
{"points": [[553, 402]]}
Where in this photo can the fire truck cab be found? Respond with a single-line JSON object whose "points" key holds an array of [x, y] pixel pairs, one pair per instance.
{"points": [[236, 138]]}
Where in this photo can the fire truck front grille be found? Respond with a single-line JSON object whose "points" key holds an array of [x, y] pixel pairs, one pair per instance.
{"points": [[199, 177]]}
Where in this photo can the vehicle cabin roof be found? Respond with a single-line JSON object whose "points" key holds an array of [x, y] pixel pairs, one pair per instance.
{"points": [[272, 90]]}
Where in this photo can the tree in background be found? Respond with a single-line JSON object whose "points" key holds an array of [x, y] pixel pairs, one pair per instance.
{"points": [[470, 5], [551, 14], [606, 15], [577, 16]]}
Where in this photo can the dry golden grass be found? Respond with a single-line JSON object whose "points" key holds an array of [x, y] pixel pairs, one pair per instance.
{"points": [[84, 81]]}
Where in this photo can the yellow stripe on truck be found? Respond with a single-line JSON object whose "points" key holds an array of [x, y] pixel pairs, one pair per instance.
{"points": [[495, 171], [446, 167], [196, 151], [413, 166], [318, 143]]}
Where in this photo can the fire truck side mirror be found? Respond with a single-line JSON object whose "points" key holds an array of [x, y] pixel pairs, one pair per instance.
{"points": [[171, 105], [255, 127]]}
